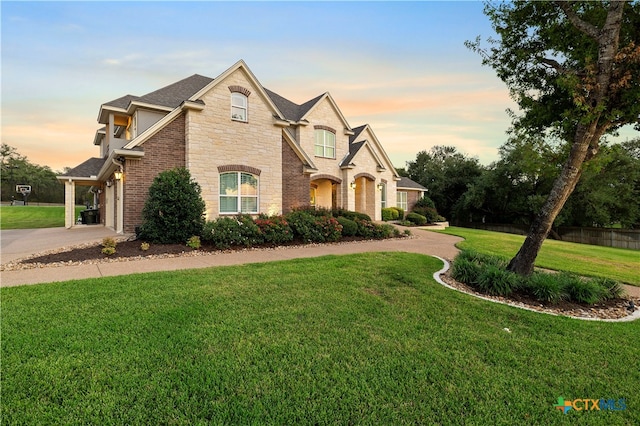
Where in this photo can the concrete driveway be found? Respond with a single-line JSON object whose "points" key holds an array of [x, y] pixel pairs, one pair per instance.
{"points": [[19, 243]]}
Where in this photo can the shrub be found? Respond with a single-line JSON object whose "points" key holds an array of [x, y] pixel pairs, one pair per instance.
{"points": [[417, 219], [382, 231], [349, 227], [581, 290], [496, 281], [174, 209], [314, 229], [228, 232], [350, 215], [108, 242], [545, 287], [430, 214], [108, 250], [144, 246], [425, 202], [465, 270], [400, 212], [275, 230], [611, 288], [389, 213], [194, 242]]}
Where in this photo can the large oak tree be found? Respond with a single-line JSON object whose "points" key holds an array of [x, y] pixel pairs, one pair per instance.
{"points": [[574, 70]]}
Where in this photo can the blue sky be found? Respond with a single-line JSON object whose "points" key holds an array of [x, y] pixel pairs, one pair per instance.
{"points": [[399, 66]]}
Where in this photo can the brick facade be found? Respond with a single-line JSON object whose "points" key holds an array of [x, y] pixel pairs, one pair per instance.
{"points": [[163, 151], [295, 184]]}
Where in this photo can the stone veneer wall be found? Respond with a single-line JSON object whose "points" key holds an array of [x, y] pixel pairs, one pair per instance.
{"points": [[214, 140], [295, 184], [163, 151]]}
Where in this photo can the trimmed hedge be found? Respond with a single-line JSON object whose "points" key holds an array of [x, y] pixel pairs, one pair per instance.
{"points": [[417, 219], [389, 213]]}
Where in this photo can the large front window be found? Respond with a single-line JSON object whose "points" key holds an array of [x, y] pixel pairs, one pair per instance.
{"points": [[238, 193], [402, 200], [325, 145]]}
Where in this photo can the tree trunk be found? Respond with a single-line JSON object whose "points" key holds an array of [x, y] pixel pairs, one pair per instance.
{"points": [[586, 139]]}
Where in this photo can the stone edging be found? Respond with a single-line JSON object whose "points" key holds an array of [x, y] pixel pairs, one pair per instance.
{"points": [[436, 276]]}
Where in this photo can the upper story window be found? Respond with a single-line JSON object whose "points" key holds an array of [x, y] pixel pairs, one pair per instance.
{"points": [[238, 107], [239, 103], [238, 193], [325, 144]]}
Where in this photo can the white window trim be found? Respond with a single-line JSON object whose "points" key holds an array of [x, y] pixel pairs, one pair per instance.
{"points": [[239, 196], [245, 107], [324, 143], [383, 195]]}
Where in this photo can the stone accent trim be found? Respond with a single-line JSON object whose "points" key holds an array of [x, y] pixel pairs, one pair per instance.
{"points": [[327, 128], [365, 175], [240, 89], [239, 168], [326, 176]]}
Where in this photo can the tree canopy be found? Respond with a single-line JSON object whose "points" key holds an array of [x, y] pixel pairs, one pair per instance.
{"points": [[574, 70]]}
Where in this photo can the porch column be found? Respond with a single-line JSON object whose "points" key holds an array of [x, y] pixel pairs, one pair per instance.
{"points": [[69, 203], [120, 207]]}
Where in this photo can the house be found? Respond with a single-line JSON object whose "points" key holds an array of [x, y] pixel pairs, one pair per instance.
{"points": [[250, 149]]}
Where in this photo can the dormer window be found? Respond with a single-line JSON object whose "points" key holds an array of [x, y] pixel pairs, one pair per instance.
{"points": [[325, 144], [238, 107]]}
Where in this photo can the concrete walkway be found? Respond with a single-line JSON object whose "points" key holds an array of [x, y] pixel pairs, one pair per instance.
{"points": [[15, 247], [16, 244]]}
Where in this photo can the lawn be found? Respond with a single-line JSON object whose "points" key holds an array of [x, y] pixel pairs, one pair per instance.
{"points": [[360, 339], [583, 259], [30, 217]]}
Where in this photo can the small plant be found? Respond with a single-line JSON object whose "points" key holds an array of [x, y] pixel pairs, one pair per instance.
{"points": [[581, 290], [108, 242], [407, 232], [144, 246], [389, 213], [194, 242], [108, 250], [611, 288], [465, 270]]}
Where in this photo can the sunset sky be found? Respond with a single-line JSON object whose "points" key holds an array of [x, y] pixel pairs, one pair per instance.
{"points": [[399, 66]]}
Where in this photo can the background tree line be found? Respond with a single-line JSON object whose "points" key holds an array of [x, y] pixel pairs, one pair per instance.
{"points": [[512, 189], [16, 169]]}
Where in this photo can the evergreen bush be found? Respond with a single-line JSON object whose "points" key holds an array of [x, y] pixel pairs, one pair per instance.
{"points": [[389, 213], [349, 227], [417, 219], [174, 209]]}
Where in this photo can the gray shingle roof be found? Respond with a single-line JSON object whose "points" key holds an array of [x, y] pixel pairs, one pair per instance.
{"points": [[89, 168], [405, 182], [291, 110], [169, 96], [356, 133], [353, 150]]}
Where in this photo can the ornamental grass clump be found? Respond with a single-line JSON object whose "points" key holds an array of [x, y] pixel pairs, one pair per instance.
{"points": [[488, 275]]}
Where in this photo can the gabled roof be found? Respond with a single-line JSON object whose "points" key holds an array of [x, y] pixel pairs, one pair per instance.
{"points": [[406, 183], [353, 150], [89, 168], [175, 94], [358, 133]]}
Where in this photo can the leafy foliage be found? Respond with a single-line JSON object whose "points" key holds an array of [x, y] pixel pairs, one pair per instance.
{"points": [[416, 219], [237, 231], [349, 227], [174, 209], [275, 230], [488, 274]]}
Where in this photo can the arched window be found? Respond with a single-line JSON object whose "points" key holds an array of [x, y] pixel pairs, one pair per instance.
{"points": [[325, 145], [238, 193], [238, 106]]}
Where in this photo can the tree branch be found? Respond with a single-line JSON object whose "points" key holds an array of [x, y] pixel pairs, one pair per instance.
{"points": [[590, 30]]}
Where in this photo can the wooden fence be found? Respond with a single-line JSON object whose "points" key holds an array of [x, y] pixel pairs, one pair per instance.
{"points": [[608, 237]]}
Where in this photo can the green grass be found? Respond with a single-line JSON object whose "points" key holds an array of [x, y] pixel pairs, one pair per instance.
{"points": [[360, 339], [583, 259], [31, 217]]}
